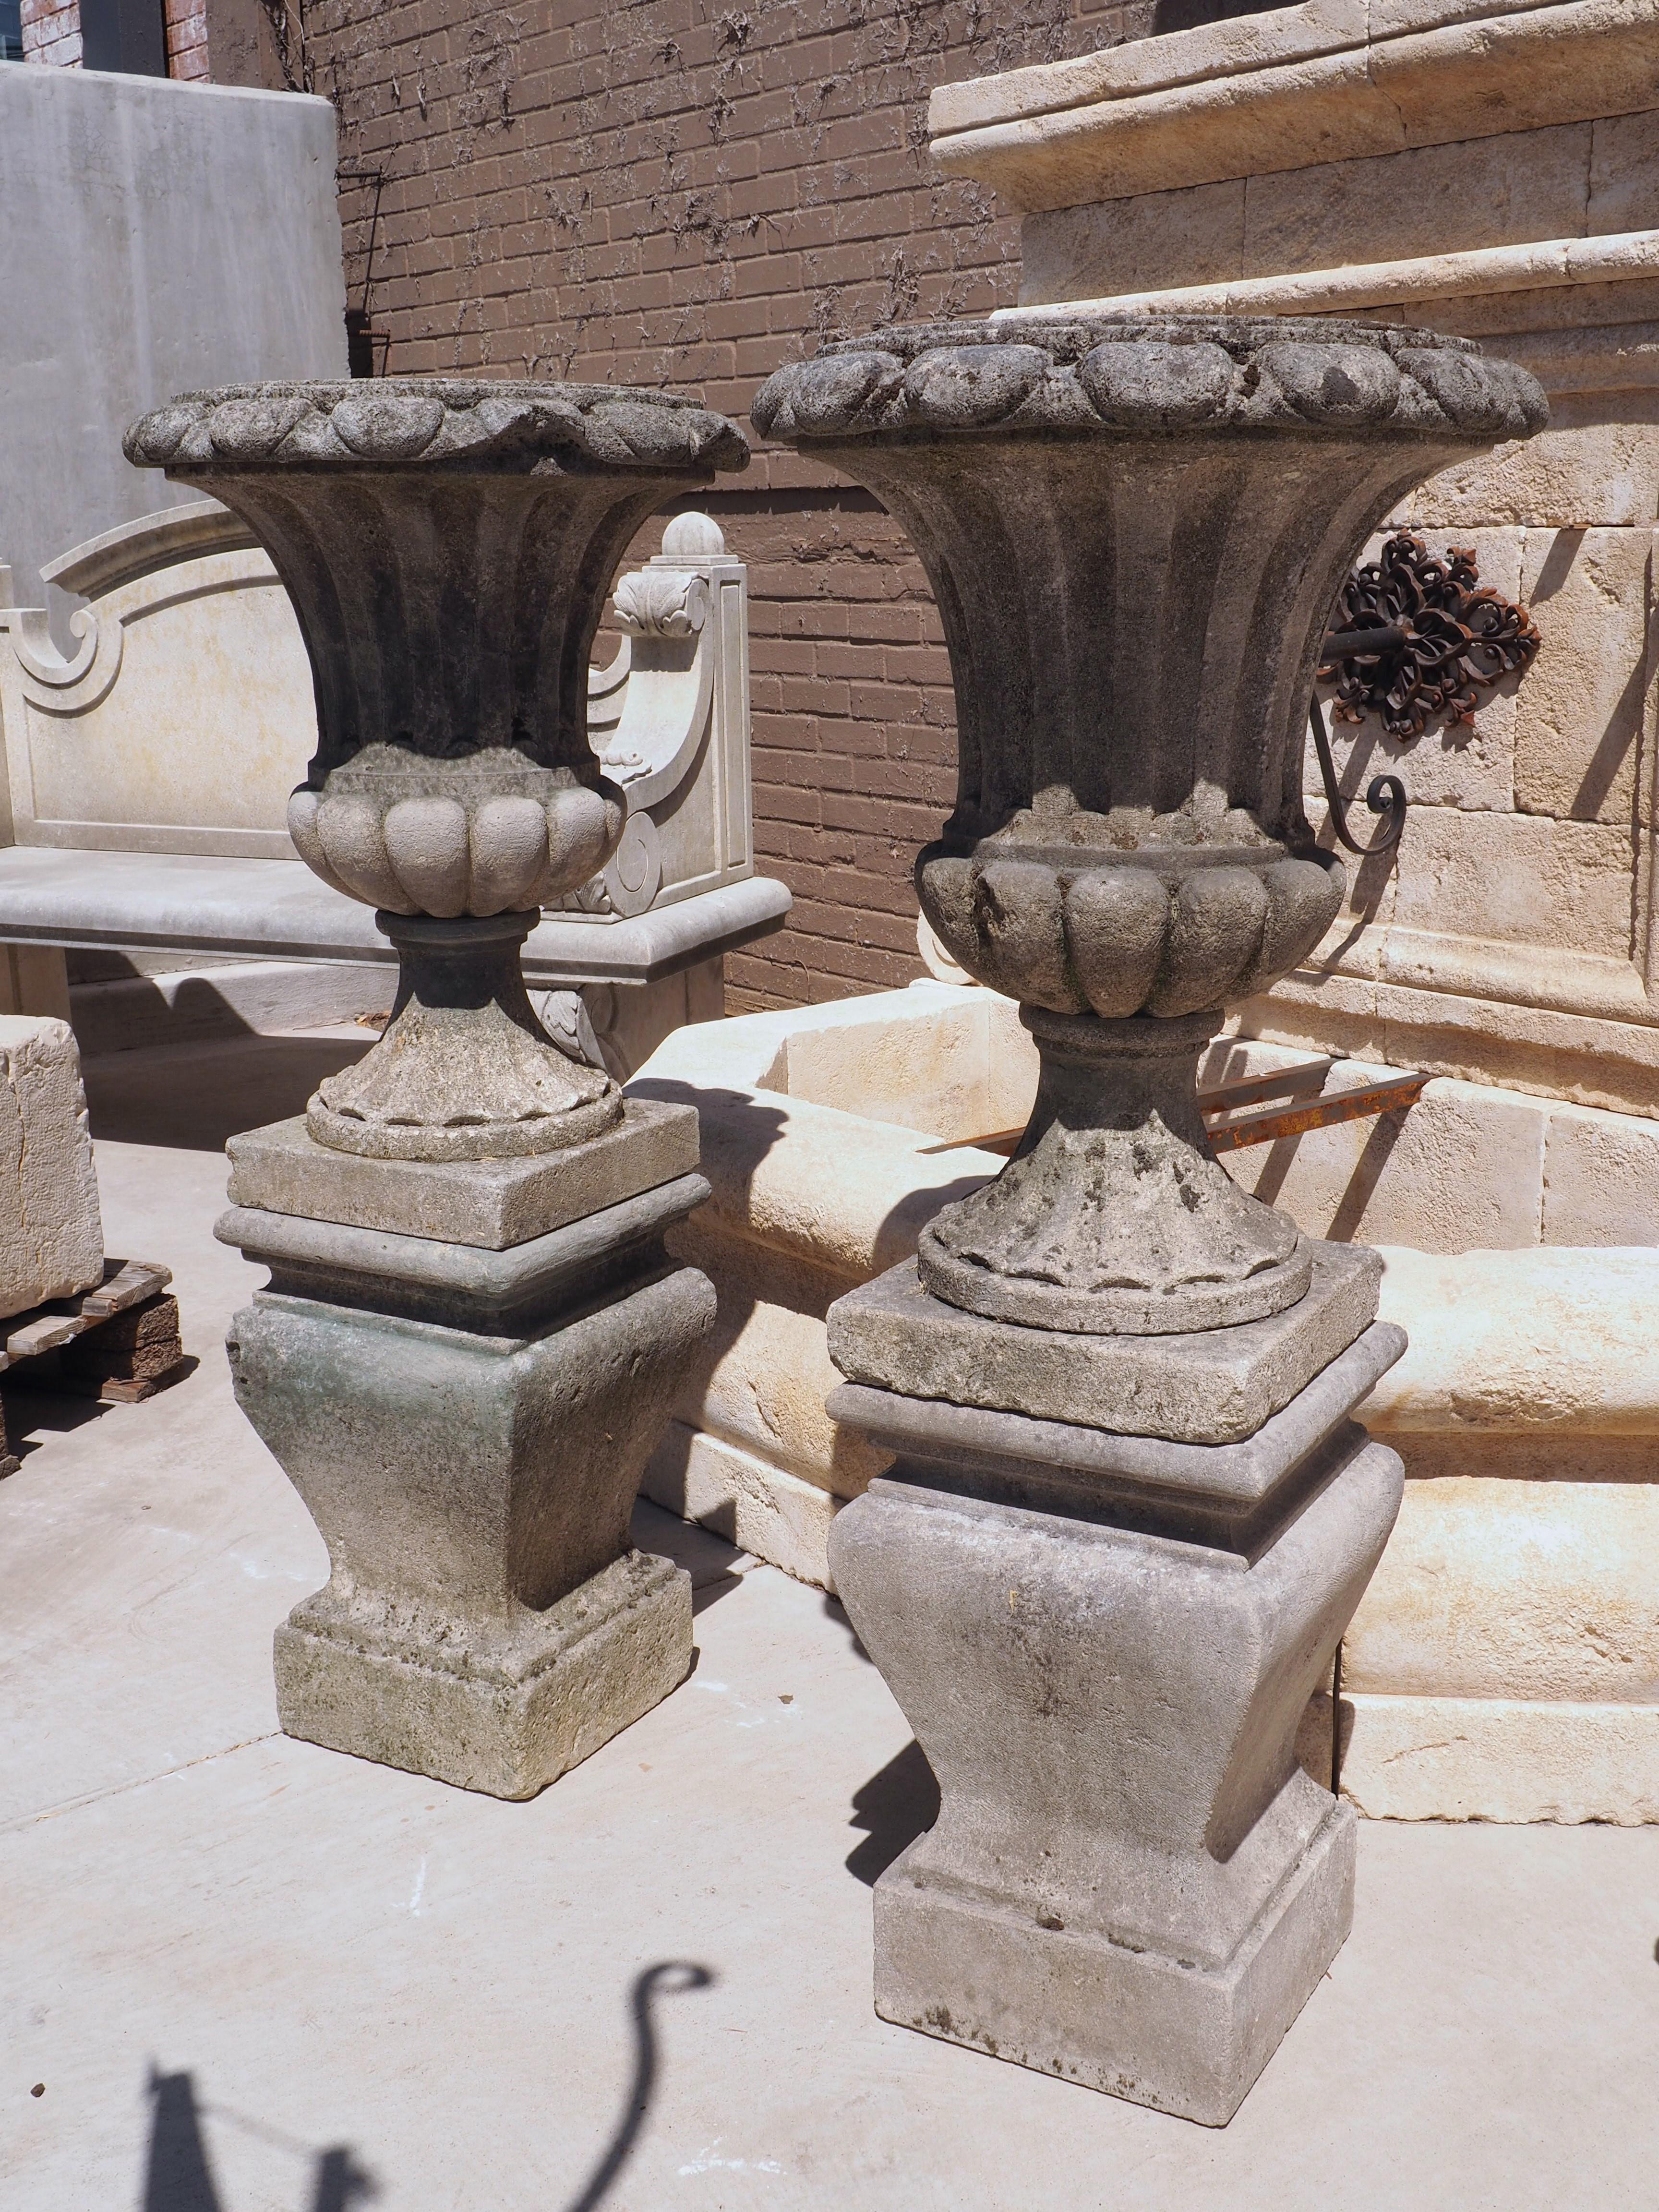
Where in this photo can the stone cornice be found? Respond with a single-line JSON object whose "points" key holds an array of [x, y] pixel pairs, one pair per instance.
{"points": [[1332, 80], [1549, 264]]}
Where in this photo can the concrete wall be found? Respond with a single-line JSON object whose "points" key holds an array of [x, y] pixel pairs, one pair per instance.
{"points": [[157, 237]]}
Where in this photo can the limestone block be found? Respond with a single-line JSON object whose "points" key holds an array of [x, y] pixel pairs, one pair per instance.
{"points": [[1193, 236], [791, 1174], [1597, 464], [1532, 1590], [1600, 1178], [1553, 1342], [761, 1380], [968, 1069], [1426, 199], [1490, 1758], [1462, 1167], [51, 1236], [762, 1508], [1527, 878], [1623, 174], [1578, 716]]}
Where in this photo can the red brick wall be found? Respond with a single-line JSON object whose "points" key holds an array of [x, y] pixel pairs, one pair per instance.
{"points": [[669, 193], [52, 32], [187, 40]]}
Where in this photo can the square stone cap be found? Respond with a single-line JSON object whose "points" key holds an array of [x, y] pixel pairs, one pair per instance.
{"points": [[1230, 1478], [463, 1285], [1206, 1387], [491, 1205]]}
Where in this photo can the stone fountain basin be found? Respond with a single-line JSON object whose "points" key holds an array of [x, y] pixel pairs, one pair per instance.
{"points": [[1505, 1663]]}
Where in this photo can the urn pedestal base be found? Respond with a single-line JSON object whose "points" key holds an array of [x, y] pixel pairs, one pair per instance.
{"points": [[467, 1426], [1105, 1642], [1141, 2025], [507, 1723]]}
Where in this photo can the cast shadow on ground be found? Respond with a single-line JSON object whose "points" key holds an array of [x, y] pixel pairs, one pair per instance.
{"points": [[711, 1562], [668, 1978], [178, 2172], [895, 1807], [194, 1098], [32, 1406]]}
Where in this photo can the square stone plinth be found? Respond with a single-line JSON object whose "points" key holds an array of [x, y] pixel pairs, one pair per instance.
{"points": [[1209, 1387], [1158, 2031], [490, 1204], [505, 1722]]}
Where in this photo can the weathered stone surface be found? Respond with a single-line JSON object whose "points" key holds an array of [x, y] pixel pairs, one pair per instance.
{"points": [[1128, 836], [1132, 1703], [495, 1204], [463, 1285], [602, 1657], [1215, 1386], [1492, 1758], [1539, 1592], [1538, 1343], [1218, 1492], [760, 1507], [486, 1621], [1116, 1219], [52, 1236], [1578, 716], [1600, 1178], [454, 788]]}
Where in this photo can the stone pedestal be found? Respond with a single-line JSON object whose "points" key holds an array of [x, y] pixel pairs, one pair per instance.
{"points": [[1104, 1642], [462, 1367]]}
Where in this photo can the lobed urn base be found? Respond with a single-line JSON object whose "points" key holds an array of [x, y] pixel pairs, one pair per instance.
{"points": [[467, 1422], [1105, 1642]]}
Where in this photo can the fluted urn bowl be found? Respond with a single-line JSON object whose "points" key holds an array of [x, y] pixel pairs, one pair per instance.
{"points": [[1134, 528], [448, 544]]}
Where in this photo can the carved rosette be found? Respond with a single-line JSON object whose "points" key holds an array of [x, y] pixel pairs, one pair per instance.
{"points": [[1134, 528], [448, 544]]}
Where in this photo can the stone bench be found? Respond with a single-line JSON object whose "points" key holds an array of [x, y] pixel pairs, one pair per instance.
{"points": [[168, 743]]}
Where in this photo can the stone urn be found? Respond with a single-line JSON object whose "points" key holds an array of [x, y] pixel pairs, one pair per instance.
{"points": [[1129, 1516], [448, 545], [473, 1330]]}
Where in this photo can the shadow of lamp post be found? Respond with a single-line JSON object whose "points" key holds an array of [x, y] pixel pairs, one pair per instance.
{"points": [[1130, 1515]]}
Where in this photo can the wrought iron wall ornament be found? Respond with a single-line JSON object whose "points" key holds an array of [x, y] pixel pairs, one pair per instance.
{"points": [[1447, 638]]}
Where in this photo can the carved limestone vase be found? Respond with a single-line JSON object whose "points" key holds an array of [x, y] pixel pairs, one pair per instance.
{"points": [[1134, 528], [448, 545]]}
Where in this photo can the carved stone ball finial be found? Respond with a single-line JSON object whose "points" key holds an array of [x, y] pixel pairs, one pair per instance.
{"points": [[1134, 528], [448, 544]]}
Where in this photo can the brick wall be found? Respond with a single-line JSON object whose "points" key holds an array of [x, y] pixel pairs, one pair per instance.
{"points": [[186, 24], [669, 193], [52, 32]]}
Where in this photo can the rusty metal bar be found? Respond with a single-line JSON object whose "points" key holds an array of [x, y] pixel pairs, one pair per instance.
{"points": [[1266, 1125], [1289, 1082]]}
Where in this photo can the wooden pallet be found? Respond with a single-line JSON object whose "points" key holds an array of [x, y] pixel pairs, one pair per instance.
{"points": [[120, 1341]]}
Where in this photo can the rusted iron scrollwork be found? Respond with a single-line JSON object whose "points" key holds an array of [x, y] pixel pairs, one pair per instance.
{"points": [[1453, 638], [1411, 637]]}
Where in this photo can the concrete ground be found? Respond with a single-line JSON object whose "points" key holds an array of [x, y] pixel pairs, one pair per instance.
{"points": [[253, 1976]]}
